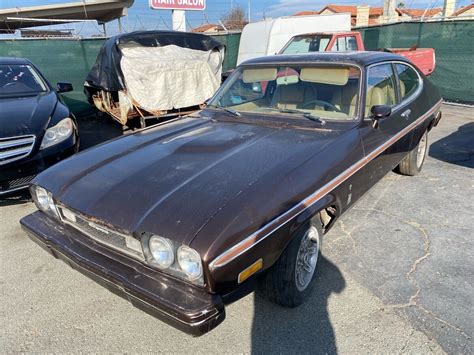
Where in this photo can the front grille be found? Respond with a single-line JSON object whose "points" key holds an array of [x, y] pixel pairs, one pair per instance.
{"points": [[104, 235], [15, 148], [15, 183]]}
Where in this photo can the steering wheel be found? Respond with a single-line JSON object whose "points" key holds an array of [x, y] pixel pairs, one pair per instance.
{"points": [[323, 104]]}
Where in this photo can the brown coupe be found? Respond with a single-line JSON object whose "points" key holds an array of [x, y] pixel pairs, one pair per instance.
{"points": [[184, 217]]}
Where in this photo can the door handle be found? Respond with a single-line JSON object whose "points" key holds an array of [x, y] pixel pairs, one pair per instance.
{"points": [[406, 114]]}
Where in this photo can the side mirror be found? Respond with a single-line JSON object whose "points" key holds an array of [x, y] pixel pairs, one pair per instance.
{"points": [[379, 112], [64, 87]]}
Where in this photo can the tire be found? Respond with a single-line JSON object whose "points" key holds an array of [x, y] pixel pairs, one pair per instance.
{"points": [[411, 165], [284, 283]]}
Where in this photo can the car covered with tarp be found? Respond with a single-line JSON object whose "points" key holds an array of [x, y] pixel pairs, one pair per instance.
{"points": [[154, 74]]}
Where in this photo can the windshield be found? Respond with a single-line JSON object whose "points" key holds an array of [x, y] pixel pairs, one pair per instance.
{"points": [[307, 43], [20, 79], [329, 92]]}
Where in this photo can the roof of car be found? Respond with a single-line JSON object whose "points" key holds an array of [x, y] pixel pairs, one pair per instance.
{"points": [[13, 60], [362, 58]]}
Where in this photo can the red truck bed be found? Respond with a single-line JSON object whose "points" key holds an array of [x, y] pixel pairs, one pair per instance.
{"points": [[423, 58]]}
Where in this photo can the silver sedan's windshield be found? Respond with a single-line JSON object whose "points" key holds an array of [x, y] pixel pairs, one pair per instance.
{"points": [[18, 79], [325, 92]]}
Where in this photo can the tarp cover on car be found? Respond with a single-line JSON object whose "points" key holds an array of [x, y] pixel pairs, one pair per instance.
{"points": [[106, 74]]}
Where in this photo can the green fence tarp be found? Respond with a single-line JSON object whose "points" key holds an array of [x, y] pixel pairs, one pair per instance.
{"points": [[231, 42], [59, 60], [453, 42], [70, 60]]}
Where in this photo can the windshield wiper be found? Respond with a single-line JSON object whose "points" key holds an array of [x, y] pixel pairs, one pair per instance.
{"points": [[228, 110], [307, 115]]}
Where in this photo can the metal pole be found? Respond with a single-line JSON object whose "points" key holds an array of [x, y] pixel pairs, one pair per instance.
{"points": [[249, 11], [120, 24]]}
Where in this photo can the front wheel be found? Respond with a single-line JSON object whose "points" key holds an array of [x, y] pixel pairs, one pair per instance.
{"points": [[289, 282], [411, 165]]}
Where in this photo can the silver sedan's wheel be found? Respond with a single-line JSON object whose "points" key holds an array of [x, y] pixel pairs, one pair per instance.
{"points": [[307, 258]]}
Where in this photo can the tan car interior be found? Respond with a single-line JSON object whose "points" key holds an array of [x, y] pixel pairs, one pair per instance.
{"points": [[326, 85], [383, 93]]}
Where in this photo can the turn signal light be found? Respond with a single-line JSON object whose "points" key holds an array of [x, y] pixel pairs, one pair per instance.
{"points": [[252, 269]]}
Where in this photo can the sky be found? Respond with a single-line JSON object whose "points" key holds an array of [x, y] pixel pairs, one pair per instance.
{"points": [[140, 16]]}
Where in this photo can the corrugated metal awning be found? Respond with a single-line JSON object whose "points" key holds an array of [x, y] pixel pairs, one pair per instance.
{"points": [[100, 10]]}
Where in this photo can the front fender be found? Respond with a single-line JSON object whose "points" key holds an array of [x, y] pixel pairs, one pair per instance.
{"points": [[223, 279]]}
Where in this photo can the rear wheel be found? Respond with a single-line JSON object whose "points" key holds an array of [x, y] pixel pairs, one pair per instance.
{"points": [[411, 165], [289, 282]]}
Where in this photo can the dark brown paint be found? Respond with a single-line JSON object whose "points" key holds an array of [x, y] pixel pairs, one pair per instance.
{"points": [[213, 181]]}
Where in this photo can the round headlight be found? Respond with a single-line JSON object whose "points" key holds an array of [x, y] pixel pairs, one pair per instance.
{"points": [[42, 197], [162, 251], [189, 261]]}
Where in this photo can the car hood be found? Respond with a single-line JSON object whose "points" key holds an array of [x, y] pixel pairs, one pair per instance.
{"points": [[26, 115], [171, 180]]}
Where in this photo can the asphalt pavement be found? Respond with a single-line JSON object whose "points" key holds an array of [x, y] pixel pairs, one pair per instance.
{"points": [[396, 276]]}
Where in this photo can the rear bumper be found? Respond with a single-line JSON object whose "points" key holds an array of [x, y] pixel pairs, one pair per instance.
{"points": [[182, 306]]}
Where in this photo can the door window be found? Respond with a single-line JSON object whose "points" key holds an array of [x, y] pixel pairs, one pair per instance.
{"points": [[351, 43], [344, 44], [380, 87], [408, 80]]}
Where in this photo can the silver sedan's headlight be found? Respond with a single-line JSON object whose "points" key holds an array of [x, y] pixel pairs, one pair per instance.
{"points": [[189, 261], [43, 200], [58, 133], [162, 251]]}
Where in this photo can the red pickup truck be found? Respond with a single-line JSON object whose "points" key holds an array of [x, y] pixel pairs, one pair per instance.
{"points": [[423, 58]]}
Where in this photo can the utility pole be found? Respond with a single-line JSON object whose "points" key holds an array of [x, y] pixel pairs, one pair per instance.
{"points": [[449, 7], [389, 13], [249, 12], [179, 20]]}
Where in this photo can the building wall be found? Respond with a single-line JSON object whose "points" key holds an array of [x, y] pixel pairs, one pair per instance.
{"points": [[467, 15]]}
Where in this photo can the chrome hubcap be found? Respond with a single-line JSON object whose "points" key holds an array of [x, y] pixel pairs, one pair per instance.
{"points": [[420, 153], [307, 258]]}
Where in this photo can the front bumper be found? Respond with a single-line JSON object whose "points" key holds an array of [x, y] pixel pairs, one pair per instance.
{"points": [[17, 175], [185, 307]]}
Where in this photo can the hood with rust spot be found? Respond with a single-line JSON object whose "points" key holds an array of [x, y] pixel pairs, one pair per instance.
{"points": [[173, 179]]}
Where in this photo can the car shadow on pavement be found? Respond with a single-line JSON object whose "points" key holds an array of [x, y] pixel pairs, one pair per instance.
{"points": [[16, 198], [306, 329], [97, 128], [457, 148]]}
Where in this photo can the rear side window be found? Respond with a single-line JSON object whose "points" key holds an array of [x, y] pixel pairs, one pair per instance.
{"points": [[408, 80], [380, 87]]}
